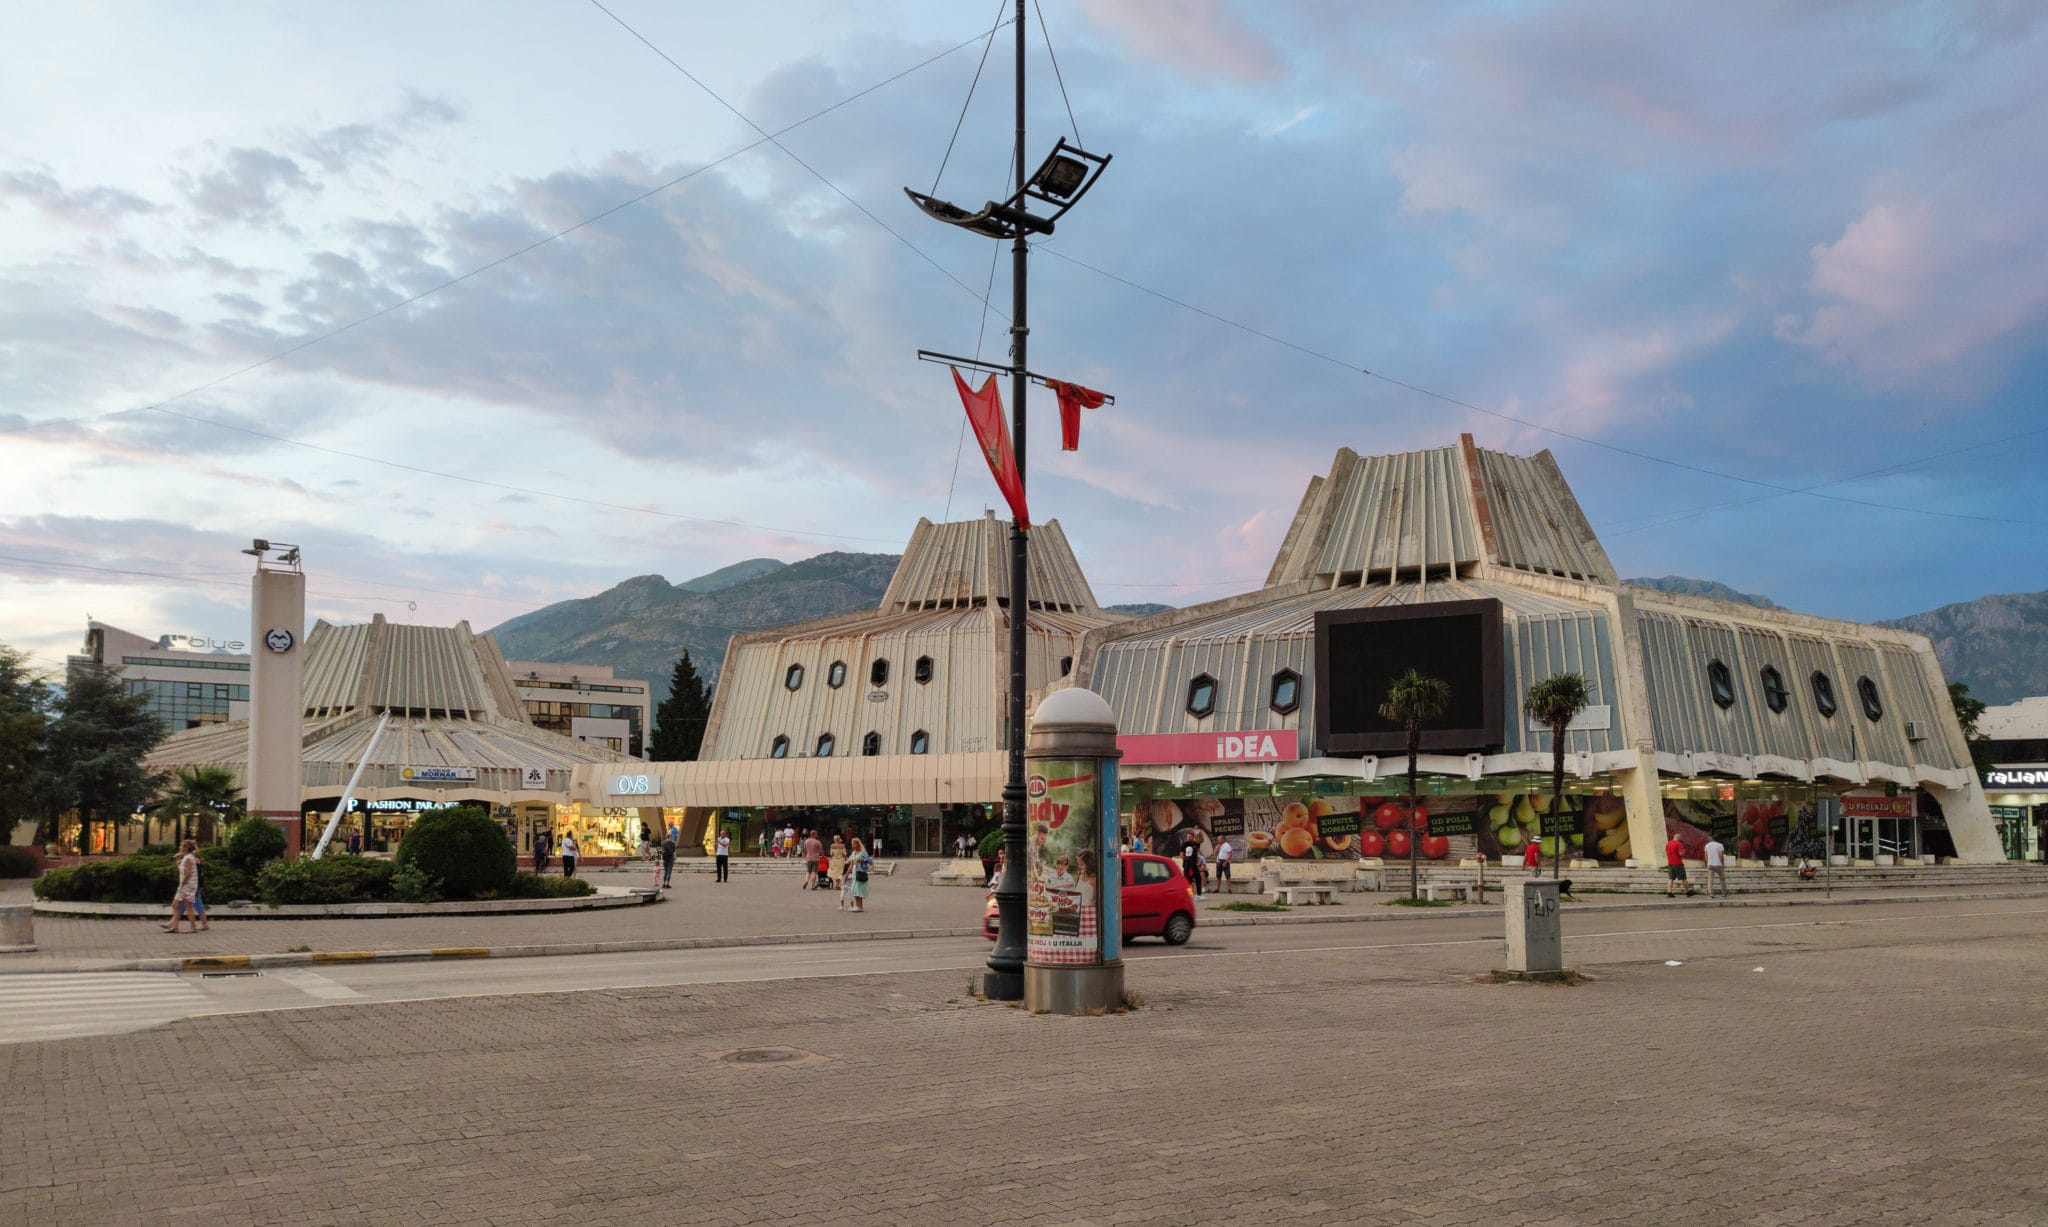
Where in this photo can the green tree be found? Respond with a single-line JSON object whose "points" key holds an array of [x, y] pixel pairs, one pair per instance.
{"points": [[97, 743], [24, 741], [1413, 701], [1967, 712], [208, 798], [1554, 703], [679, 721]]}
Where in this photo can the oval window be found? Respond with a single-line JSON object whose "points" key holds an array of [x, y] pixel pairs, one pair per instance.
{"points": [[1201, 696], [835, 677], [1866, 690], [920, 742], [1776, 697], [1722, 682], [1823, 693], [923, 670], [871, 745], [780, 749], [825, 744], [794, 678], [878, 673]]}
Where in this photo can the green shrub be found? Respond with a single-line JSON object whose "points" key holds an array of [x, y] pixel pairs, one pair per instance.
{"points": [[142, 879], [255, 843], [464, 849], [335, 879], [991, 844], [539, 886], [170, 850], [17, 862], [409, 884], [78, 884], [220, 879]]}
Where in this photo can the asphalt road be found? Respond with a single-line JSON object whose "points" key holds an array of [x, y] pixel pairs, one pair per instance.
{"points": [[63, 1005]]}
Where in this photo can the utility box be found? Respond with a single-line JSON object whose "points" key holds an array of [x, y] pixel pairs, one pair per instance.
{"points": [[1535, 936], [17, 929]]}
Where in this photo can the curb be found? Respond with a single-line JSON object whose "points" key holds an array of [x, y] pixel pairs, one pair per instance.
{"points": [[608, 897], [217, 962]]}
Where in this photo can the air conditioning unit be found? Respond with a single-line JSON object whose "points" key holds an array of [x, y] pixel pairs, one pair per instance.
{"points": [[1914, 731]]}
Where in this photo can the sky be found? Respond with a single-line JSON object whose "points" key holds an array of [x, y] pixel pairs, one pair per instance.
{"points": [[1770, 280]]}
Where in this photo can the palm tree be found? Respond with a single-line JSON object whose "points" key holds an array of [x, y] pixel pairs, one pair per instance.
{"points": [[1554, 703], [1413, 701], [199, 794]]}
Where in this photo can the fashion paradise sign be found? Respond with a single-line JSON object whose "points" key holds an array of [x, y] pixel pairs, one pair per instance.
{"points": [[1273, 746]]}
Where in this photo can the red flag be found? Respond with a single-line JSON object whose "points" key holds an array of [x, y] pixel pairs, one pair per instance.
{"points": [[1073, 399], [985, 412]]}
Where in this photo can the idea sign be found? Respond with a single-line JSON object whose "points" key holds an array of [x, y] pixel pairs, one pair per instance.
{"points": [[1274, 746]]}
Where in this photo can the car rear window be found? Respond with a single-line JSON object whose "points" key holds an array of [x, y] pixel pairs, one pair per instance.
{"points": [[1144, 873]]}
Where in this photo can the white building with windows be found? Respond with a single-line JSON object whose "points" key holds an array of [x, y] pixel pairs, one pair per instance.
{"points": [[190, 680]]}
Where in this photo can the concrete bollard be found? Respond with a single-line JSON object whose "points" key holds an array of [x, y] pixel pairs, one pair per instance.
{"points": [[1535, 936], [17, 929]]}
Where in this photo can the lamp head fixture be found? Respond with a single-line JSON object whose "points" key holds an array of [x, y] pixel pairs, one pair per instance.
{"points": [[1065, 176]]}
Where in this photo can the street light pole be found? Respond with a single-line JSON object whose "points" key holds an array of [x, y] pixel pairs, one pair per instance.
{"points": [[1005, 978], [1059, 183]]}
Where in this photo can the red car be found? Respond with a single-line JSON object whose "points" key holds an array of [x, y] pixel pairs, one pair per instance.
{"points": [[1157, 901]]}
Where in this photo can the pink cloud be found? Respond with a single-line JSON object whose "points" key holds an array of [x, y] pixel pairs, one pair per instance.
{"points": [[1197, 38]]}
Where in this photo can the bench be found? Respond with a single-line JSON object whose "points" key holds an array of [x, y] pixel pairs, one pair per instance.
{"points": [[1301, 893], [1440, 890]]}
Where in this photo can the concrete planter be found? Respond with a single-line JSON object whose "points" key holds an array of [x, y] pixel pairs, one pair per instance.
{"points": [[1838, 859], [1780, 862], [1885, 858]]}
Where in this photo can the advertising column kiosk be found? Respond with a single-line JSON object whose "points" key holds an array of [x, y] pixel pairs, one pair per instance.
{"points": [[1073, 961]]}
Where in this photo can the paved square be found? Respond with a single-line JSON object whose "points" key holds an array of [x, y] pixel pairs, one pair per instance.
{"points": [[1886, 1071]]}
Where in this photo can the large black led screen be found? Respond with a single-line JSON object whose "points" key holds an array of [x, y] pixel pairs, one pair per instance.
{"points": [[1359, 653]]}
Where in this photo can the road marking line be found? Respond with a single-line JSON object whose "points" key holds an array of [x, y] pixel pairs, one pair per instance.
{"points": [[345, 956], [313, 984]]}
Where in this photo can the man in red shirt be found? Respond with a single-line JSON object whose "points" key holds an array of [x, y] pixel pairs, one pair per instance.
{"points": [[1674, 867], [1532, 858]]}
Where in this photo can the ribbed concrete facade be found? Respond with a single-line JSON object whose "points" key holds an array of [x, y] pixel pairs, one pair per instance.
{"points": [[452, 705], [1679, 688]]}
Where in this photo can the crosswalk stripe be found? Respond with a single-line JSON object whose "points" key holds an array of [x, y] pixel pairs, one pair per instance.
{"points": [[36, 1006]]}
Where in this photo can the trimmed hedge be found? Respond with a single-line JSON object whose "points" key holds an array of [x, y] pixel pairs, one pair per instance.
{"points": [[539, 886], [220, 879], [463, 849], [254, 843], [17, 862], [334, 879]]}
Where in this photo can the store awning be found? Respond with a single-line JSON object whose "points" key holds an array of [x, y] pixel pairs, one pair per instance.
{"points": [[894, 779]]}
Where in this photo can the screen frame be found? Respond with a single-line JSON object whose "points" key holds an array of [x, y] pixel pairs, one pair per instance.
{"points": [[1491, 731]]}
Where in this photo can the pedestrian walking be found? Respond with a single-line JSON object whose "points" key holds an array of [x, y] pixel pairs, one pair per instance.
{"points": [[788, 840], [1717, 868], [187, 889], [646, 844], [1674, 868], [724, 848], [1532, 857], [960, 848], [859, 865], [540, 851], [355, 843], [1191, 863], [764, 841], [569, 851], [1137, 843], [668, 861], [1223, 851], [812, 852], [835, 868]]}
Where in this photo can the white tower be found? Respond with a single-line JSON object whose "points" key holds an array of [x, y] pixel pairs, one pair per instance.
{"points": [[277, 602]]}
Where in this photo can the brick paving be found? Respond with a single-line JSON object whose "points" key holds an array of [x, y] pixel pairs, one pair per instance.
{"points": [[1872, 1071]]}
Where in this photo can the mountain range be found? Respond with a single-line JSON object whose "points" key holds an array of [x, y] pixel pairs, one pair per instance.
{"points": [[1997, 645]]}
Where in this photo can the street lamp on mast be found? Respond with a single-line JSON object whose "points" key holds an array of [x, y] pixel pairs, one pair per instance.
{"points": [[1060, 182]]}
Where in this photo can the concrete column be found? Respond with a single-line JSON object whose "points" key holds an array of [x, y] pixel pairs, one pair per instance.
{"points": [[276, 775], [1645, 808], [1969, 822]]}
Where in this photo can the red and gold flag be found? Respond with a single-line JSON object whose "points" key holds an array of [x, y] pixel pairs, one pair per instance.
{"points": [[1073, 399], [985, 412]]}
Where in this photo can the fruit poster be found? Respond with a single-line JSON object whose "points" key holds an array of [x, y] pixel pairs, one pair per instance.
{"points": [[1063, 882]]}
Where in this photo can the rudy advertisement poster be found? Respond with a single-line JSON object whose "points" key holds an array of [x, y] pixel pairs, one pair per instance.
{"points": [[1063, 874]]}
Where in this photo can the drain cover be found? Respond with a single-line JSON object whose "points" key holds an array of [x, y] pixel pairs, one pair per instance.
{"points": [[767, 1056]]}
